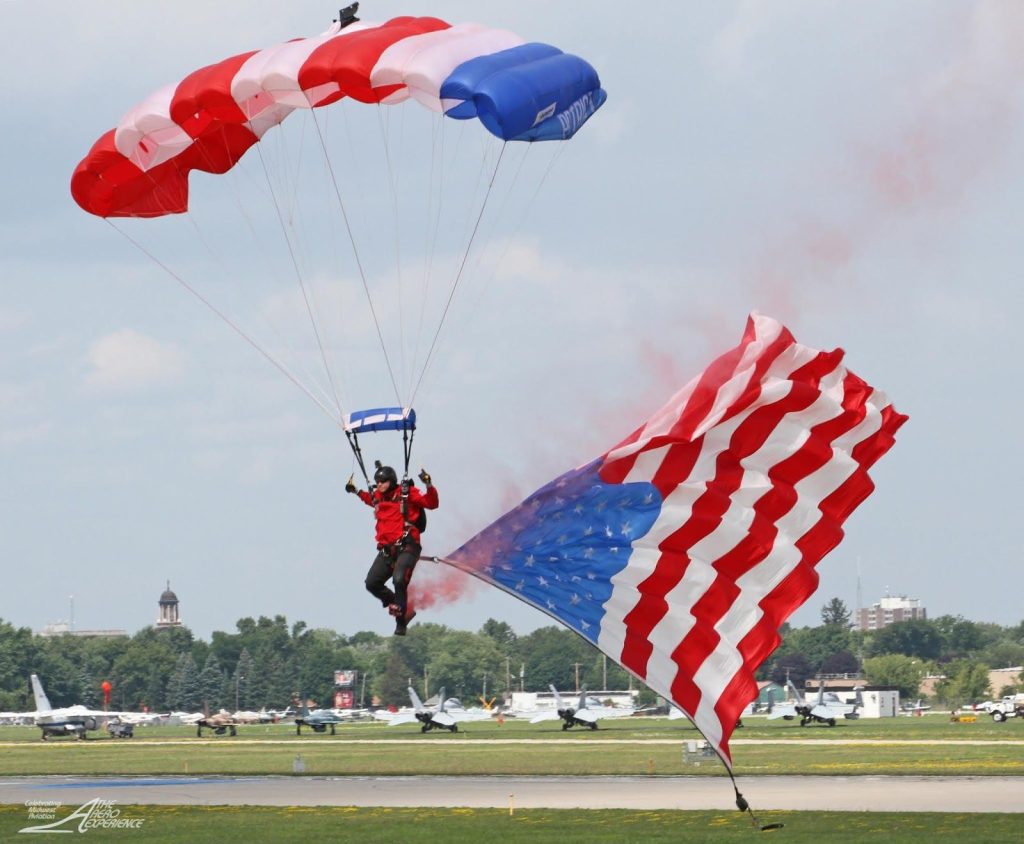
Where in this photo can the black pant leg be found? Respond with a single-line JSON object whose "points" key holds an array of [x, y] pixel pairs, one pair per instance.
{"points": [[406, 561], [377, 578]]}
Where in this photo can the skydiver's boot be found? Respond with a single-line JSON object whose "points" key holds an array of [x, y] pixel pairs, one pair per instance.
{"points": [[403, 622], [395, 610]]}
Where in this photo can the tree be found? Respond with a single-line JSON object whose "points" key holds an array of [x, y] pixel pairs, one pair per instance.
{"points": [[898, 670], [211, 685], [836, 612], [243, 680], [183, 689], [966, 683], [460, 662], [501, 633], [917, 637], [792, 666], [392, 686]]}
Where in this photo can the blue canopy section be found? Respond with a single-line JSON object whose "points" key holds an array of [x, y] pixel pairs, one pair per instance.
{"points": [[381, 419], [533, 92]]}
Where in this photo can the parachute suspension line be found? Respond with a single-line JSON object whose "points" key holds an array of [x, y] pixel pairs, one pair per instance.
{"points": [[359, 263], [458, 276], [386, 146], [231, 324], [437, 163], [560, 148], [427, 254], [226, 273], [302, 285], [232, 180]]}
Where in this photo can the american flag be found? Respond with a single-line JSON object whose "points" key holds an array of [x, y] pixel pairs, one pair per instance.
{"points": [[681, 551]]}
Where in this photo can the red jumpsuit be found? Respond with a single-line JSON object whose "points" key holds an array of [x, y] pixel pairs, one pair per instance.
{"points": [[398, 542]]}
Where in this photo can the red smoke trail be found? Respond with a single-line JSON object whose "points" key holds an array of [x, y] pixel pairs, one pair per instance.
{"points": [[956, 131]]}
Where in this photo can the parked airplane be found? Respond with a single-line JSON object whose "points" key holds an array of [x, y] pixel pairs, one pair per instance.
{"points": [[585, 714], [915, 708], [74, 720], [220, 722], [448, 715], [318, 720], [827, 709]]}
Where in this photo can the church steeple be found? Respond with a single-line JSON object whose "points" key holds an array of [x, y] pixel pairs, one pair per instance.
{"points": [[168, 609]]}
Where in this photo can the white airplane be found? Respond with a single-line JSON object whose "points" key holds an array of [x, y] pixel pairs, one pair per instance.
{"points": [[585, 714], [448, 715], [915, 708], [827, 709], [70, 720]]}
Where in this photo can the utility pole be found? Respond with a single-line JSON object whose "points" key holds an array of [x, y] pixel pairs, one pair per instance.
{"points": [[604, 671], [362, 691], [485, 685], [577, 666], [508, 677], [426, 677]]}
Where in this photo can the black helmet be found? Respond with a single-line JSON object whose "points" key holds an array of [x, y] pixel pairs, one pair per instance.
{"points": [[385, 473]]}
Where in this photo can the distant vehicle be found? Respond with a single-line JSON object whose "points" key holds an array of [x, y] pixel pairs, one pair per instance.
{"points": [[827, 709], [586, 713], [116, 728], [1011, 706]]}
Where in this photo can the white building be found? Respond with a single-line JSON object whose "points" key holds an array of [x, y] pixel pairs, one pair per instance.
{"points": [[891, 609]]}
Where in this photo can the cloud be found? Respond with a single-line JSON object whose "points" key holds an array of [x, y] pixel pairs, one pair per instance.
{"points": [[128, 360], [732, 42], [11, 320]]}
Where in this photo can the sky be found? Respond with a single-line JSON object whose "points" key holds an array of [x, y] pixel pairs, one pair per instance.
{"points": [[852, 170]]}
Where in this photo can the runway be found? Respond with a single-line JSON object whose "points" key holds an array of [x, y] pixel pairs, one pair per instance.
{"points": [[874, 794]]}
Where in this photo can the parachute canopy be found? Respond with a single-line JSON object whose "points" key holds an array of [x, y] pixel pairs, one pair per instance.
{"points": [[681, 551], [381, 419], [519, 91]]}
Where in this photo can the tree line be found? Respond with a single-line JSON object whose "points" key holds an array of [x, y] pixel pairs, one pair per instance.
{"points": [[270, 663]]}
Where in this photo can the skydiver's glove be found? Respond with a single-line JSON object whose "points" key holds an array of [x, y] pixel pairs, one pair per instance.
{"points": [[350, 486], [425, 476]]}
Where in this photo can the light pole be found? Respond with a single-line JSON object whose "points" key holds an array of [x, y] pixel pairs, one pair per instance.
{"points": [[238, 679]]}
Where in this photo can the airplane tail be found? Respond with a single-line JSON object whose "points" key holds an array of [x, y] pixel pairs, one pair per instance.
{"points": [[558, 697], [42, 701], [440, 697], [416, 702]]}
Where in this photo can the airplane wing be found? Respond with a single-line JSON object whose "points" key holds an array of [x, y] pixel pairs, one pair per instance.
{"points": [[402, 718], [444, 719], [782, 710], [614, 712], [826, 712], [547, 715], [469, 715], [587, 716]]}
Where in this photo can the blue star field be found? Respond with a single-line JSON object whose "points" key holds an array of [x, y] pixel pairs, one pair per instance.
{"points": [[560, 548]]}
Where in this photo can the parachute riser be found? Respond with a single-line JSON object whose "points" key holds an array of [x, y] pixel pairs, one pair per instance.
{"points": [[353, 441]]}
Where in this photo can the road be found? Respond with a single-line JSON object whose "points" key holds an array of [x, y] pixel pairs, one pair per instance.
{"points": [[877, 794]]}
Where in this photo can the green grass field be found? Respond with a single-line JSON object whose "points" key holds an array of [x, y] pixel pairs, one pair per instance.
{"points": [[533, 826], [627, 746]]}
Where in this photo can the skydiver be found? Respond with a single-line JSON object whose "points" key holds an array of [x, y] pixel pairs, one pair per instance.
{"points": [[398, 509]]}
